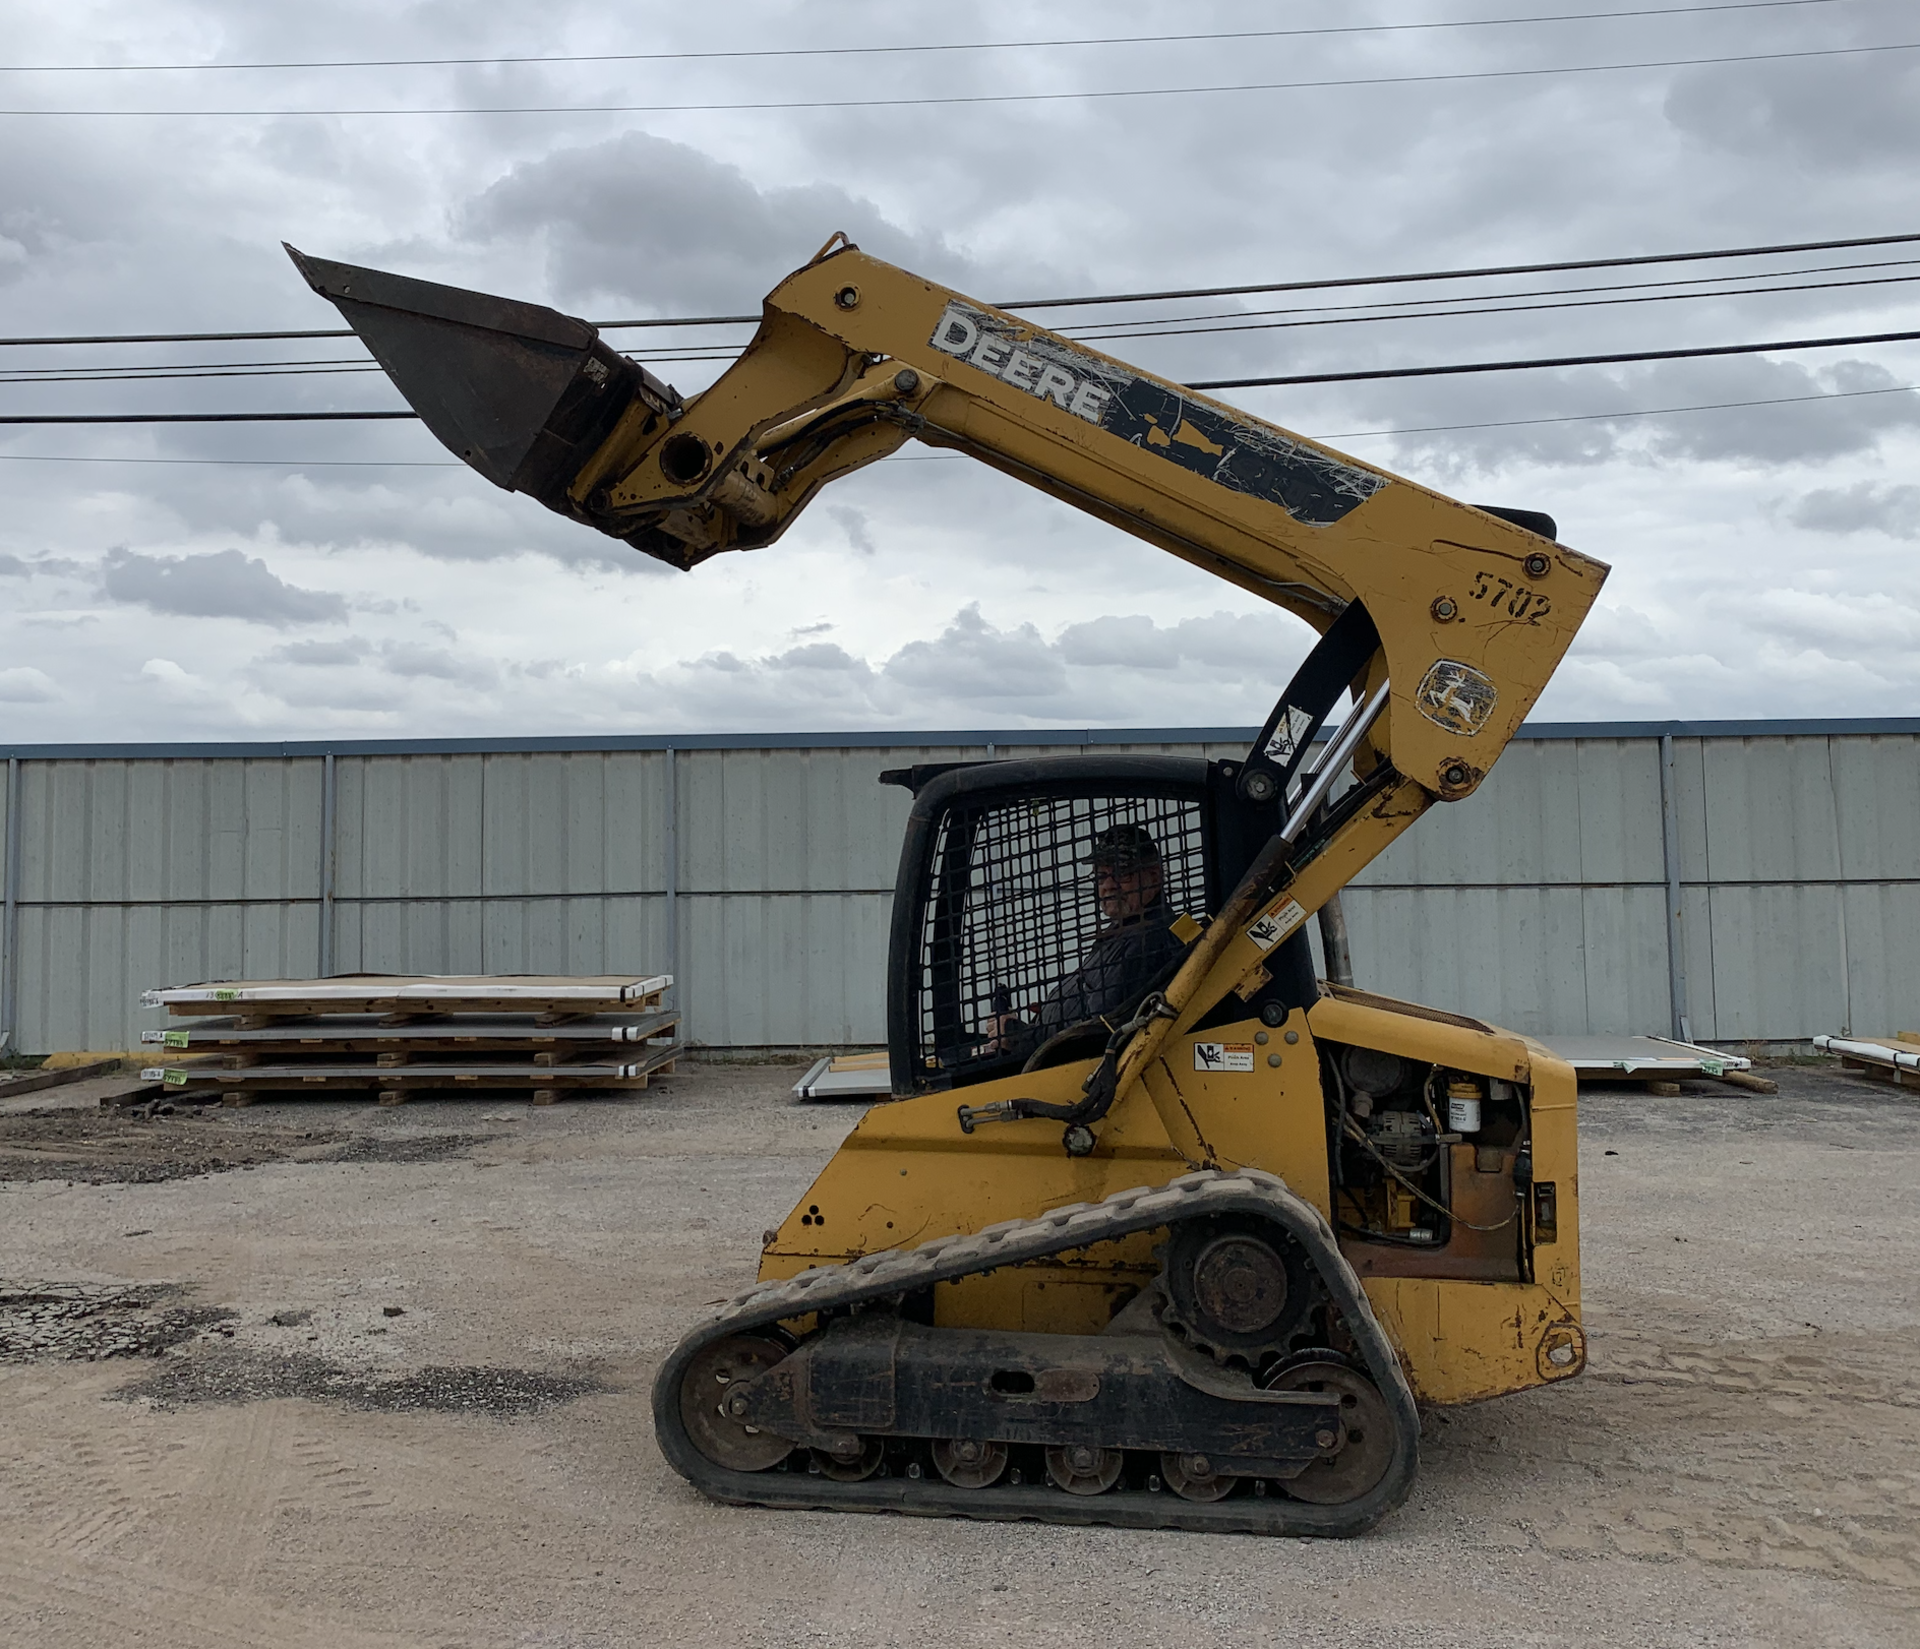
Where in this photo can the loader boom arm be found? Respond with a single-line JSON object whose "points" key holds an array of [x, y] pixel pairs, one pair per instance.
{"points": [[1444, 621]]}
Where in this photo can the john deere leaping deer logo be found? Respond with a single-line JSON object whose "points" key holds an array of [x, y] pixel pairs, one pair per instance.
{"points": [[1456, 696]]}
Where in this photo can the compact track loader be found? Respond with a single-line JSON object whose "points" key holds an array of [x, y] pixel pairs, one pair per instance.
{"points": [[1158, 1230]]}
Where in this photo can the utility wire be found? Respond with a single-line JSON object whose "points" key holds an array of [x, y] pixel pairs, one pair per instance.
{"points": [[1175, 331], [876, 51], [1171, 327], [200, 417], [1343, 435], [1216, 383], [1607, 417], [1556, 361], [1642, 261], [983, 98], [1092, 329]]}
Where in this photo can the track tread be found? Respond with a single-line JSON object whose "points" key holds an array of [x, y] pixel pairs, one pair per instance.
{"points": [[895, 1272]]}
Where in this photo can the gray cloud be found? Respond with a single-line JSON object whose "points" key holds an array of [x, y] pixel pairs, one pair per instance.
{"points": [[323, 654], [1866, 506], [225, 584], [412, 660], [22, 684], [1795, 413], [648, 222], [1718, 603]]}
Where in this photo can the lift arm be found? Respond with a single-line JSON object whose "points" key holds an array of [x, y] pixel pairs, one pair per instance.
{"points": [[1444, 621]]}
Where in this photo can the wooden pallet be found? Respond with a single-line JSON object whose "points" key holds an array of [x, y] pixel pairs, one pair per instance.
{"points": [[396, 1083]]}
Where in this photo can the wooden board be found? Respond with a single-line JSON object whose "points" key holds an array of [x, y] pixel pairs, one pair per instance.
{"points": [[414, 994], [375, 1034]]}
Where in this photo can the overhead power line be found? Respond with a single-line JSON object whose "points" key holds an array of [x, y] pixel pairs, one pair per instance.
{"points": [[1171, 327], [1169, 295], [1341, 435], [897, 51], [1167, 330], [981, 98], [1092, 329], [200, 417], [1780, 345], [1607, 417]]}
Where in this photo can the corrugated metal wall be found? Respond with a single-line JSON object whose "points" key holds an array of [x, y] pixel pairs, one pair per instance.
{"points": [[1539, 904]]}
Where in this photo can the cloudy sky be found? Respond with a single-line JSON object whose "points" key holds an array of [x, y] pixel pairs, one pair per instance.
{"points": [[351, 580]]}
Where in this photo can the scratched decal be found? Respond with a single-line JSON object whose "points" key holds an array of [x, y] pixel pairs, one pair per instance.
{"points": [[1455, 696], [1223, 1056], [1311, 486], [1276, 924]]}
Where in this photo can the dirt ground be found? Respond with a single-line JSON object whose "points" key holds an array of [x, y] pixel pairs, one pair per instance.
{"points": [[321, 1374]]}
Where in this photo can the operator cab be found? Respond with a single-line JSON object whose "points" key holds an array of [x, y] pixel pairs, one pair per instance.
{"points": [[1007, 925]]}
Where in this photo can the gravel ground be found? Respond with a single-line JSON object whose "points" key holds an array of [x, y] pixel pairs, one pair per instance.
{"points": [[324, 1374]]}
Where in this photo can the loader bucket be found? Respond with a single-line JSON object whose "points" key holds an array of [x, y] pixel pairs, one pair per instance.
{"points": [[523, 393]]}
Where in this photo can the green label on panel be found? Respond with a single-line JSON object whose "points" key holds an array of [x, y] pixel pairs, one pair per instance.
{"points": [[225, 996], [175, 1079], [174, 1039]]}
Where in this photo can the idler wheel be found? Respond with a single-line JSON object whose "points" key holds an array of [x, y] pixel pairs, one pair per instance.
{"points": [[1192, 1477], [968, 1463], [1363, 1449], [703, 1393], [1079, 1468]]}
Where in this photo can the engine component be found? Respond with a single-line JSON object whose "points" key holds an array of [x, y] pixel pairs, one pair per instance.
{"points": [[1372, 1072], [1404, 1138], [1463, 1107]]}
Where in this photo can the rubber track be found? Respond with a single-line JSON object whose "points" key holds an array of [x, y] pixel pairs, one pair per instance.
{"points": [[898, 1272]]}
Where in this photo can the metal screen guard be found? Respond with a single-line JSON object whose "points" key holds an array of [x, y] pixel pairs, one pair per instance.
{"points": [[1018, 945]]}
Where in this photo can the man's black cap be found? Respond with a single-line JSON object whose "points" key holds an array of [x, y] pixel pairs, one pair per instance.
{"points": [[1125, 847]]}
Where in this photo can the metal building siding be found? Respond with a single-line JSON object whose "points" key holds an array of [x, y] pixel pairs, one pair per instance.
{"points": [[1538, 903], [1883, 958], [82, 968], [1876, 784], [781, 970], [1533, 959]]}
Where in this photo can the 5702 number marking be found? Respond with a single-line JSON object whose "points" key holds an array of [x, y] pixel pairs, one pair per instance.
{"points": [[1521, 601]]}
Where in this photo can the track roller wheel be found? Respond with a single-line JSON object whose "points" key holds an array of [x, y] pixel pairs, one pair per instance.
{"points": [[968, 1463], [1365, 1448], [703, 1394], [852, 1460], [1081, 1469], [1192, 1477]]}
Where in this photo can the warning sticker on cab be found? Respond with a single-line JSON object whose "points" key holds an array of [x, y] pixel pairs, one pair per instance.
{"points": [[1271, 928], [1223, 1056]]}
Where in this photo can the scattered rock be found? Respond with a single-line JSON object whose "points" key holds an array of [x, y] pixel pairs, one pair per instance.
{"points": [[234, 1374]]}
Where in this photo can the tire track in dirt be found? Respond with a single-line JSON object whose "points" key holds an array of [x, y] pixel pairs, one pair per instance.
{"points": [[52, 1599], [1798, 1455], [222, 1528]]}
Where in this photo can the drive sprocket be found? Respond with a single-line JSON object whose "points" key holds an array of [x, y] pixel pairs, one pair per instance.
{"points": [[1238, 1288]]}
